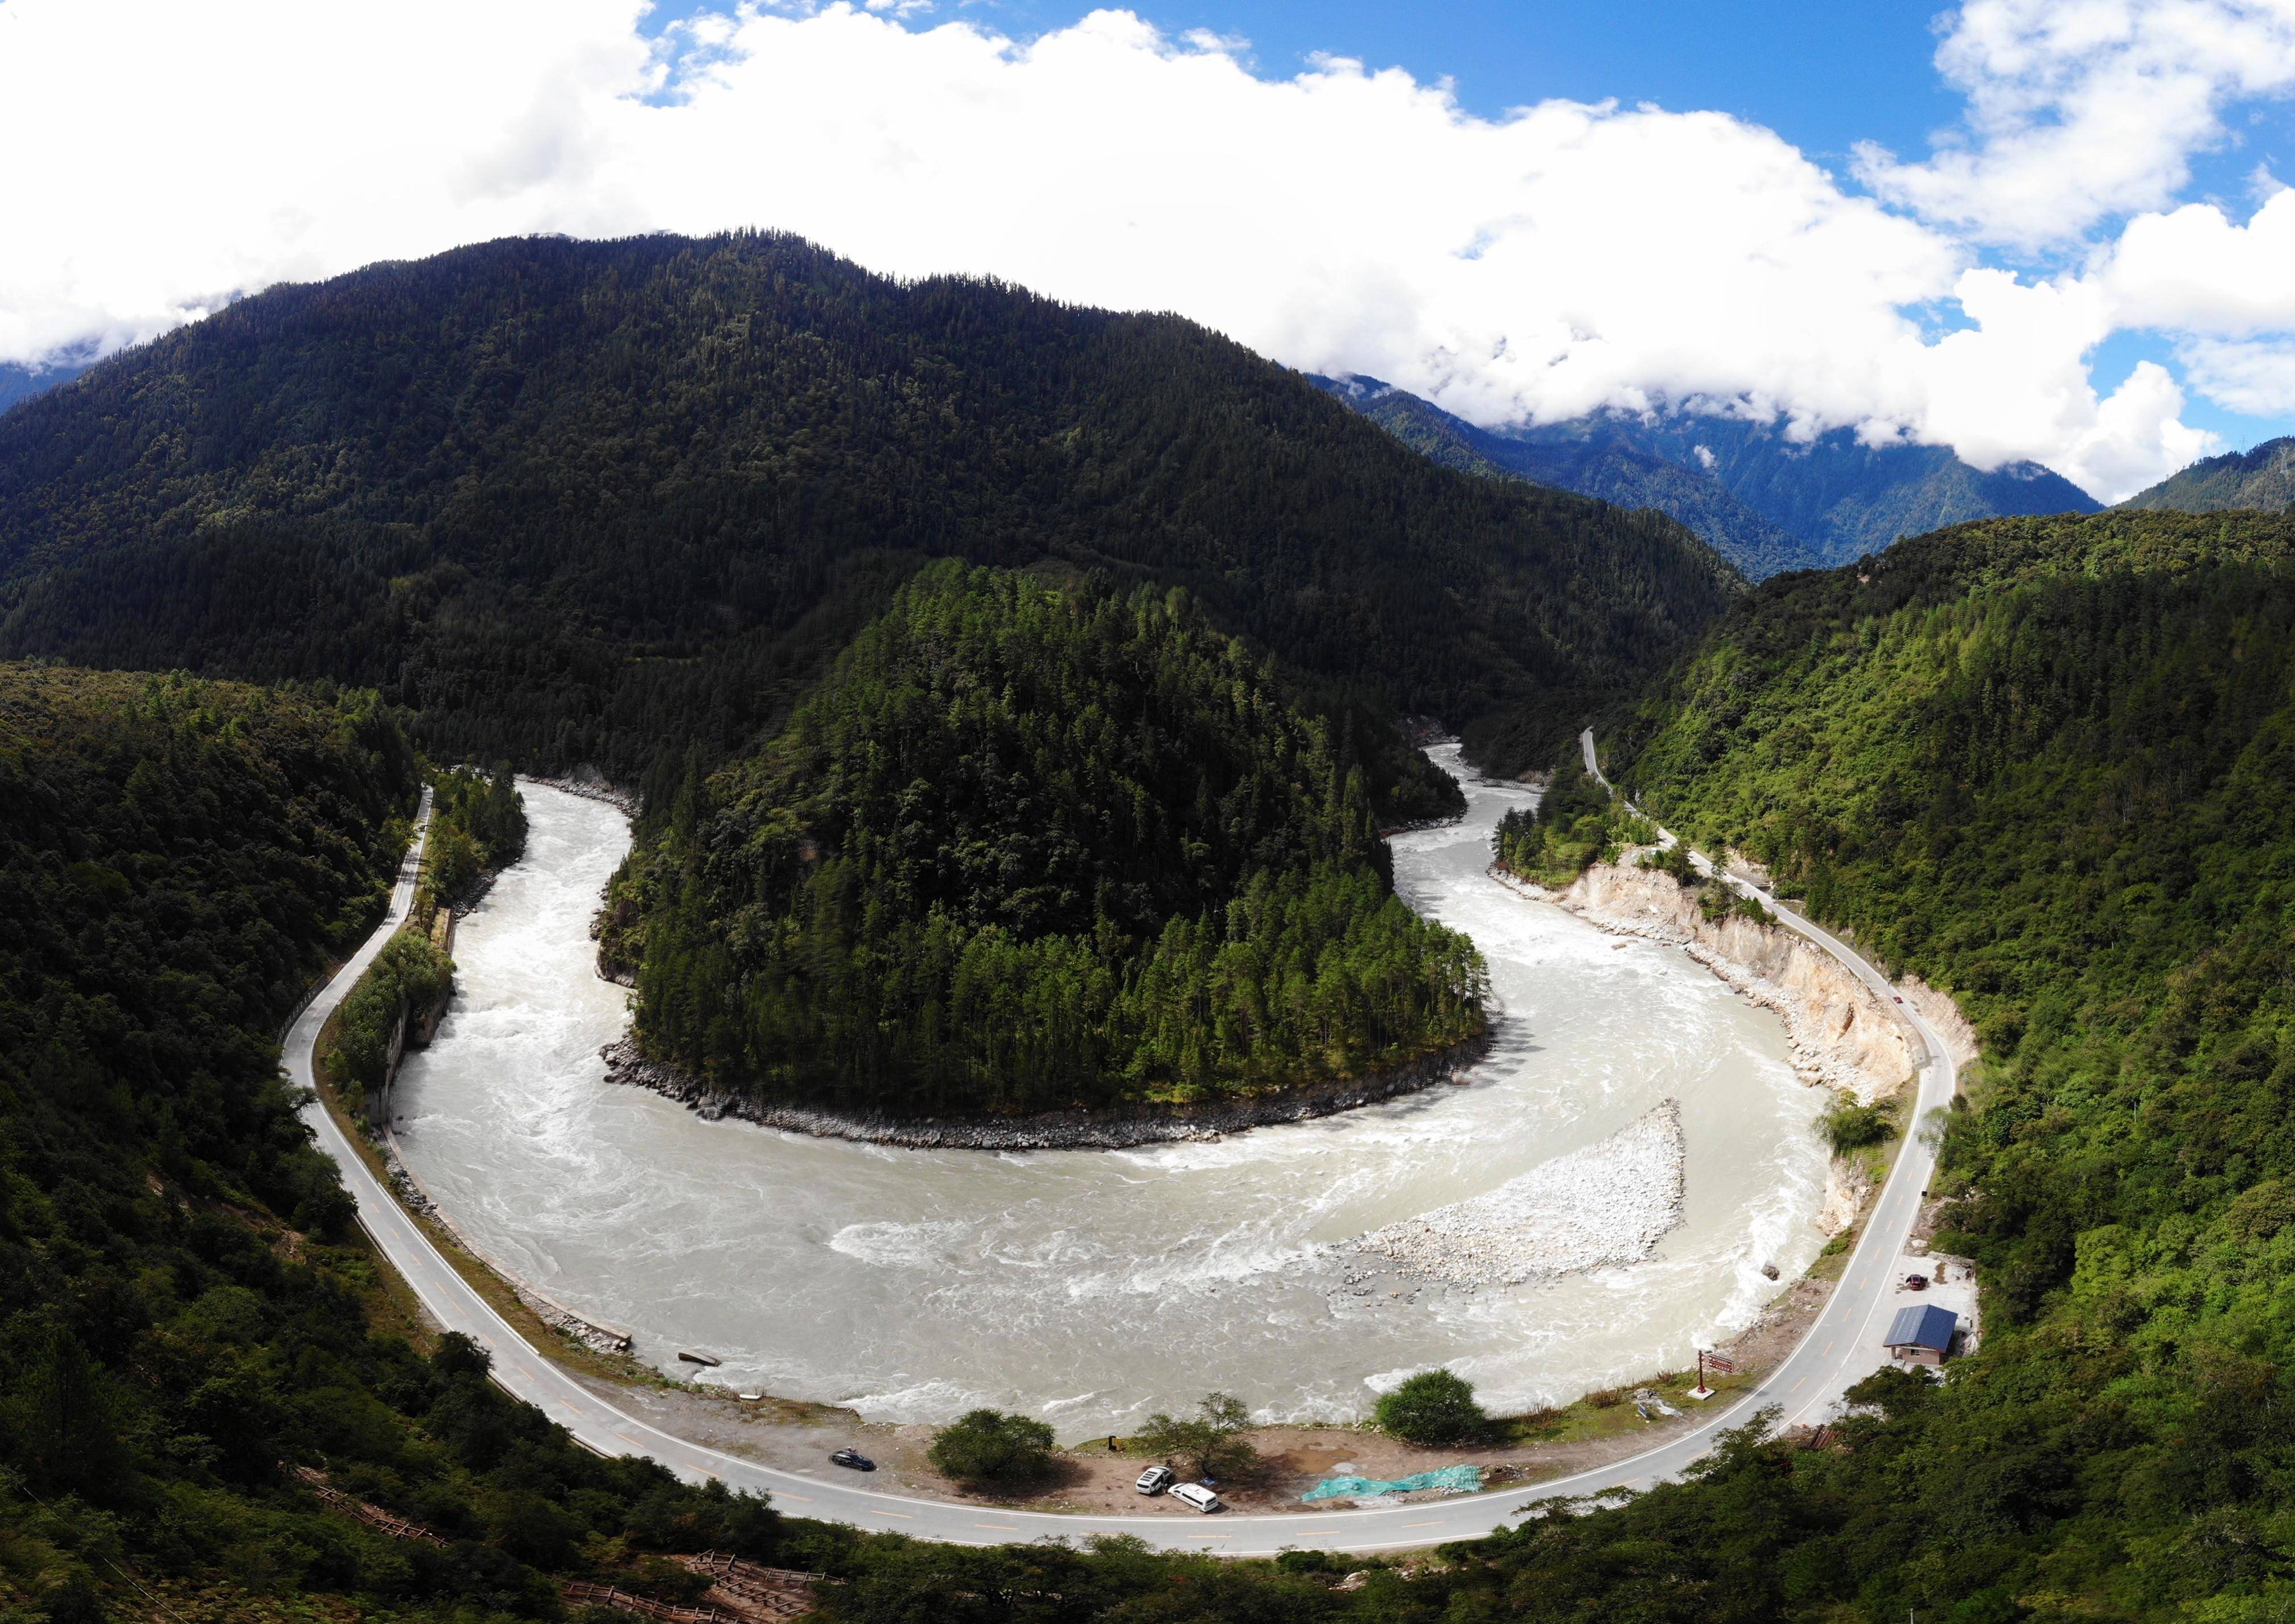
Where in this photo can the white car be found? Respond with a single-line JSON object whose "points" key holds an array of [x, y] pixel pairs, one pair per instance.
{"points": [[1155, 1480], [1198, 1498]]}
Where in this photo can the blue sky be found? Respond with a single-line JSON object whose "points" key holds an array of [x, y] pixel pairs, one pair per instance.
{"points": [[2044, 229], [1823, 76]]}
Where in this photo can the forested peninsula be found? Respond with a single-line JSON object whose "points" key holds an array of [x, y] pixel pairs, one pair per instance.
{"points": [[574, 503], [1038, 847]]}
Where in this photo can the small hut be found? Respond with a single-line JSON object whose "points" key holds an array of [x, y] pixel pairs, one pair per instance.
{"points": [[1922, 1334]]}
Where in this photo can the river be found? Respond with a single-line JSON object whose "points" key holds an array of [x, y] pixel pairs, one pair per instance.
{"points": [[1090, 1288]]}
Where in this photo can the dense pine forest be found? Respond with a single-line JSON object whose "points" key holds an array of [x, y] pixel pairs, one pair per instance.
{"points": [[594, 501], [185, 1310], [1037, 846], [2047, 765]]}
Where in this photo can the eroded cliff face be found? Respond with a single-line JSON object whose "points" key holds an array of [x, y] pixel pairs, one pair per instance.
{"points": [[1941, 1013], [1840, 1034]]}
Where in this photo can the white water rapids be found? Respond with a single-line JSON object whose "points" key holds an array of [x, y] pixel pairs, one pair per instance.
{"points": [[1090, 1288]]}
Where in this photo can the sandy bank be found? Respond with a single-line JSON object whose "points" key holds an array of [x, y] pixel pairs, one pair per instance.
{"points": [[1057, 1131]]}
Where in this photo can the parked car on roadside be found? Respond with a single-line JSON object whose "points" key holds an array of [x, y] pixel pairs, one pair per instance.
{"points": [[854, 1459], [1198, 1498], [1155, 1480]]}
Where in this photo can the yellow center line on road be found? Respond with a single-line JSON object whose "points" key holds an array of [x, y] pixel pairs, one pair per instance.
{"points": [[903, 1515], [1000, 1527], [783, 1494], [1436, 1523]]}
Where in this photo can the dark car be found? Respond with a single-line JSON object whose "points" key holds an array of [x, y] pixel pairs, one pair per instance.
{"points": [[854, 1459]]}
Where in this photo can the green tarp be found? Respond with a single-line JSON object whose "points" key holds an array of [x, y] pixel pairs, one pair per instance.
{"points": [[1458, 1479]]}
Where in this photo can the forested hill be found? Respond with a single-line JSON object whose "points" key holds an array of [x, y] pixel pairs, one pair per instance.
{"points": [[186, 1313], [572, 501], [1034, 848], [2262, 478], [2050, 765]]}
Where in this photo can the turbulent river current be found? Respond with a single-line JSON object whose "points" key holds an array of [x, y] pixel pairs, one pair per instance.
{"points": [[1090, 1288]]}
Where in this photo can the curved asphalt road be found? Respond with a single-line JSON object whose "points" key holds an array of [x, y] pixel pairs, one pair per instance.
{"points": [[1839, 1349]]}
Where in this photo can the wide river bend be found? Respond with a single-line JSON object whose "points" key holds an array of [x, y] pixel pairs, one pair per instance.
{"points": [[1090, 1288]]}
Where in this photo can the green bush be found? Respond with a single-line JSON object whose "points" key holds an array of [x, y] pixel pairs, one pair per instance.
{"points": [[409, 975], [989, 1445], [1434, 1407], [1848, 1126], [1210, 1441]]}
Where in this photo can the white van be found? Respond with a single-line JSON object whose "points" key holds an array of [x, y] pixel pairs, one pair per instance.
{"points": [[1155, 1480], [1199, 1498]]}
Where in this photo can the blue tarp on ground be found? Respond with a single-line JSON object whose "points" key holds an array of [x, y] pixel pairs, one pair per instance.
{"points": [[1458, 1479]]}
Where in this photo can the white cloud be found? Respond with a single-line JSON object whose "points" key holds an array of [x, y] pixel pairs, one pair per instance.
{"points": [[2258, 378], [2083, 110], [1562, 258], [2194, 271]]}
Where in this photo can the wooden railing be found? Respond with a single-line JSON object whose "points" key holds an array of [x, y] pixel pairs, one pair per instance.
{"points": [[581, 1592], [767, 1592], [373, 1516]]}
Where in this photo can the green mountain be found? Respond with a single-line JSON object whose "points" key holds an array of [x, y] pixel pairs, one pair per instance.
{"points": [[2046, 764], [1765, 501], [1037, 847], [188, 1312], [573, 501], [1602, 463], [2263, 478]]}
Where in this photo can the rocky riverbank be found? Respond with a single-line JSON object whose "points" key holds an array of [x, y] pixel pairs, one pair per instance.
{"points": [[592, 786], [1062, 1131], [1600, 1206], [1838, 1034]]}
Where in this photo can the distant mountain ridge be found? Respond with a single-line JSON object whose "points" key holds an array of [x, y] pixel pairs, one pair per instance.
{"points": [[18, 383], [1602, 464], [2263, 478], [1764, 502]]}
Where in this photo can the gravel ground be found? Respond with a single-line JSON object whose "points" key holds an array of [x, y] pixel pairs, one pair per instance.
{"points": [[1606, 1205]]}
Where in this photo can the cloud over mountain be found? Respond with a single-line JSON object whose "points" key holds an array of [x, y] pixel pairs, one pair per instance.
{"points": [[1536, 266]]}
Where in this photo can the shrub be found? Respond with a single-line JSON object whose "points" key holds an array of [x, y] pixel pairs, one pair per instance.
{"points": [[1848, 1126], [1209, 1438], [1434, 1407], [989, 1445]]}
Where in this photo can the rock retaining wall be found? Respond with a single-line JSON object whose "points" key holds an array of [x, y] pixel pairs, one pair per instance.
{"points": [[1839, 1034]]}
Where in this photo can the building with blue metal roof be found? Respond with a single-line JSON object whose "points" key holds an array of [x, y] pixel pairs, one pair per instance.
{"points": [[1922, 1334]]}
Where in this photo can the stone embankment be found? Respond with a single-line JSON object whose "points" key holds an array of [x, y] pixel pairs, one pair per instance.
{"points": [[1062, 1130], [1836, 1029], [413, 1195], [1601, 1206], [592, 785]]}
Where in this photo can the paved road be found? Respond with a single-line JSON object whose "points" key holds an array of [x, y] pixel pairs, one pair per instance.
{"points": [[1839, 1347]]}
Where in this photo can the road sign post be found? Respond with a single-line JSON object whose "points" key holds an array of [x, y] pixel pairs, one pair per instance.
{"points": [[1721, 1366]]}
